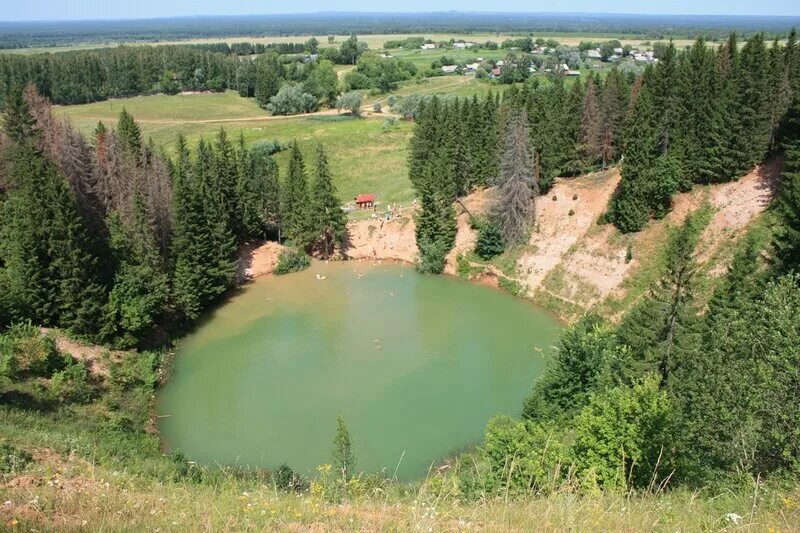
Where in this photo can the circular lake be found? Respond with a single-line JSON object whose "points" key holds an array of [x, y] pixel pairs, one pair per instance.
{"points": [[416, 364]]}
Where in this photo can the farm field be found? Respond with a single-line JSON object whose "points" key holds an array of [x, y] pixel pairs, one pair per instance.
{"points": [[375, 42], [363, 157]]}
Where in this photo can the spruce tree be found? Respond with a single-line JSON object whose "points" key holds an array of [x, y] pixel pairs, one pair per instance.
{"points": [[330, 222], [787, 241], [51, 274], [660, 330], [518, 183], [296, 205], [130, 135]]}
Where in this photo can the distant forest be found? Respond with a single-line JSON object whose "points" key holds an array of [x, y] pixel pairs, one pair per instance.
{"points": [[62, 33]]}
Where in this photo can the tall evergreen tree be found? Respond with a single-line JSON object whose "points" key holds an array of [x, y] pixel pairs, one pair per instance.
{"points": [[296, 208], [518, 183], [330, 222]]}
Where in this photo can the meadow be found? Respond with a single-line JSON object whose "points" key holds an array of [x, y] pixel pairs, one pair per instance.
{"points": [[364, 157], [374, 41]]}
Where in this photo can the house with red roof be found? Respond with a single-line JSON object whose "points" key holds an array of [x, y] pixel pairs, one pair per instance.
{"points": [[365, 201]]}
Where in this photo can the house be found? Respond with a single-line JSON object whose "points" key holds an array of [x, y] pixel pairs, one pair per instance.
{"points": [[619, 51], [471, 67], [365, 201], [463, 45], [501, 63], [495, 72], [449, 69], [571, 72], [594, 54], [386, 56], [428, 46]]}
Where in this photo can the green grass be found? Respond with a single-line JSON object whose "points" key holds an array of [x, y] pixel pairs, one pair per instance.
{"points": [[362, 156], [163, 108]]}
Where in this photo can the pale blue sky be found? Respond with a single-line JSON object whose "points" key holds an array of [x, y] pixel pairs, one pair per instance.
{"points": [[105, 9]]}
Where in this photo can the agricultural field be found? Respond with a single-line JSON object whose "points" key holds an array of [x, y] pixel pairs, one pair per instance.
{"points": [[375, 42]]}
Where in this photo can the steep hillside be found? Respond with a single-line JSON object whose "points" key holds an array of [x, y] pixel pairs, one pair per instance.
{"points": [[571, 263]]}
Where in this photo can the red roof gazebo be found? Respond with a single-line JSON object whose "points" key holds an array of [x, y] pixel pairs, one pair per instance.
{"points": [[365, 201]]}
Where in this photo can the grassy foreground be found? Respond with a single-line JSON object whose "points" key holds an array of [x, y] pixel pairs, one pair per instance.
{"points": [[79, 452]]}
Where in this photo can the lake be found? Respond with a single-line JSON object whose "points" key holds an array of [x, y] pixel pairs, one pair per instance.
{"points": [[416, 365]]}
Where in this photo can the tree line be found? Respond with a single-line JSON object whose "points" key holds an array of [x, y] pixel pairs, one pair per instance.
{"points": [[84, 76], [117, 242]]}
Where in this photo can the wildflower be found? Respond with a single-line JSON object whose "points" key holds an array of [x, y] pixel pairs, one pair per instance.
{"points": [[733, 517]]}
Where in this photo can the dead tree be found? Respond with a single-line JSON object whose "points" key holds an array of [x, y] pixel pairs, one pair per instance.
{"points": [[518, 183]]}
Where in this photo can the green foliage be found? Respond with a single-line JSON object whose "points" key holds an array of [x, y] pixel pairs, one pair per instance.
{"points": [[523, 457], [588, 361], [292, 100], [343, 459], [72, 384], [329, 220], [489, 243], [350, 101], [24, 351], [297, 210], [291, 261], [621, 437], [12, 459]]}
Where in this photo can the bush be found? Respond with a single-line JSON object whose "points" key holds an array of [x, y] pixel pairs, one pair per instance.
{"points": [[377, 107], [291, 100], [72, 383], [13, 460], [490, 241], [268, 147], [389, 123], [523, 456], [24, 350], [622, 434], [290, 261], [350, 102]]}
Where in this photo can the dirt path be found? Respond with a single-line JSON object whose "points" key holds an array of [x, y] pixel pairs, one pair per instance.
{"points": [[259, 118]]}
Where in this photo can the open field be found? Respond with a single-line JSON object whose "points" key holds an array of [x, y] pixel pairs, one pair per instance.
{"points": [[363, 157], [374, 42]]}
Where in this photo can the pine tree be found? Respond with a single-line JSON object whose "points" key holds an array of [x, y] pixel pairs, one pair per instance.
{"points": [[226, 176], [52, 276], [787, 242], [296, 206], [590, 125], [130, 135], [519, 183], [140, 288], [203, 246], [659, 330], [330, 222]]}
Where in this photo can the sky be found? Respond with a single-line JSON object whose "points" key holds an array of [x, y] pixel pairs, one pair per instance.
{"points": [[16, 10]]}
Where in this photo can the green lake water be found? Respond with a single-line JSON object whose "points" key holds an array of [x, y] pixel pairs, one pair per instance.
{"points": [[416, 364]]}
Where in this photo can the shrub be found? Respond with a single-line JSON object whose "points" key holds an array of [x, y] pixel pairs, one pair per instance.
{"points": [[523, 456], [23, 349], [290, 261], [350, 102], [510, 286], [622, 434], [72, 383], [12, 459], [571, 212], [555, 198], [377, 107], [389, 123], [490, 241], [629, 253], [268, 147]]}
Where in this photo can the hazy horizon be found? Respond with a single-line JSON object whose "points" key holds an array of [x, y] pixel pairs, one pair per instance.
{"points": [[100, 10]]}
